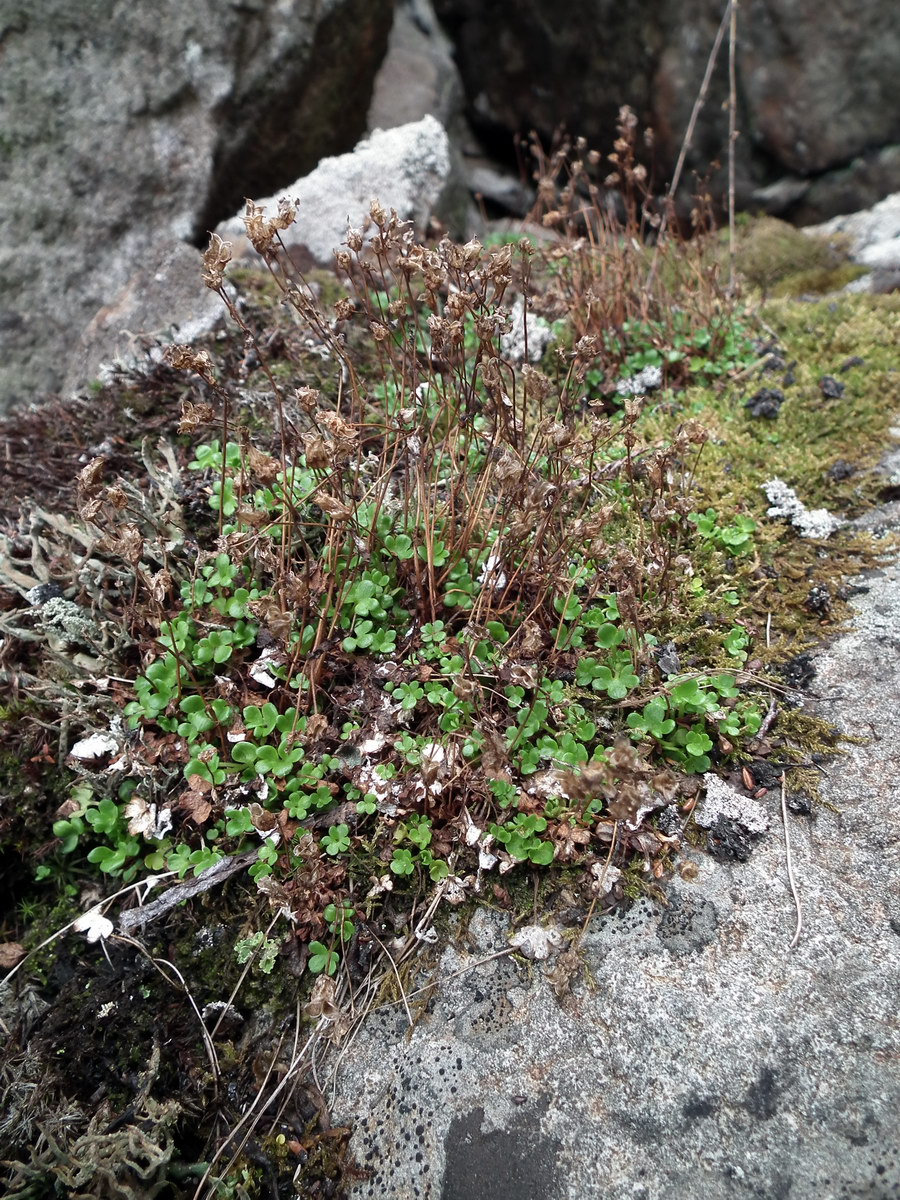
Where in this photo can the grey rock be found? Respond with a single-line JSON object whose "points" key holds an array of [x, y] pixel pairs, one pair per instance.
{"points": [[816, 84], [405, 168], [418, 77], [704, 1057], [163, 302], [127, 125], [859, 184], [873, 234], [491, 182]]}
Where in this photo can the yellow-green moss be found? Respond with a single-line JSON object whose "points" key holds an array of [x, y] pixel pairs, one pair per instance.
{"points": [[818, 281], [769, 251]]}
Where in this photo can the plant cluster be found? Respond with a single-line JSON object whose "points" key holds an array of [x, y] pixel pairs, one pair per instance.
{"points": [[433, 598], [651, 302]]}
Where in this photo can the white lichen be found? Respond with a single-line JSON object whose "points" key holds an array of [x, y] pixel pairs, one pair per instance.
{"points": [[529, 337], [722, 800], [785, 503], [646, 380]]}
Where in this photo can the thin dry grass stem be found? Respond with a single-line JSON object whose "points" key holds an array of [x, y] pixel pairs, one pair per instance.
{"points": [[254, 1113], [732, 139], [688, 138], [790, 865]]}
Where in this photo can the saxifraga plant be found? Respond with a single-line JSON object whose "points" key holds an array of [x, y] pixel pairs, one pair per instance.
{"points": [[434, 595]]}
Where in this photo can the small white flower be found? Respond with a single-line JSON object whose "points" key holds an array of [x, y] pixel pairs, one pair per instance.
{"points": [[93, 925]]}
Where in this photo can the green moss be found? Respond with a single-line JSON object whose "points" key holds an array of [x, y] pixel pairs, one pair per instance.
{"points": [[770, 251], [818, 281], [809, 435]]}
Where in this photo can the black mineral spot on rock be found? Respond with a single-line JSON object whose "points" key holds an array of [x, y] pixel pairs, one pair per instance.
{"points": [[518, 1163], [799, 672], [670, 821], [855, 361], [762, 1096], [830, 388], [840, 470], [699, 1107], [765, 403], [42, 592], [799, 804], [766, 773]]}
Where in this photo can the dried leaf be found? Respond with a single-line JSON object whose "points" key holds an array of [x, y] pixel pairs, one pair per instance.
{"points": [[536, 942], [263, 820], [161, 585], [321, 1002], [195, 802], [264, 466], [11, 954], [216, 258], [333, 506], [89, 478]]}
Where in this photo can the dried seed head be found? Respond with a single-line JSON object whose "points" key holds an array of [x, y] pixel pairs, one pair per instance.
{"points": [[187, 358], [194, 415], [128, 543], [340, 430], [318, 457], [532, 640], [491, 373], [308, 399], [557, 434], [537, 385], [90, 477], [547, 190], [215, 260], [264, 466], [160, 585], [459, 304], [334, 507], [117, 497], [695, 432]]}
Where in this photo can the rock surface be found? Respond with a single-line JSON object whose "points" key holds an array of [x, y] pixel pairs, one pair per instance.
{"points": [[418, 77], [125, 125], [405, 168], [873, 240], [873, 234], [706, 1056], [816, 84], [164, 301]]}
